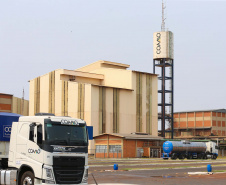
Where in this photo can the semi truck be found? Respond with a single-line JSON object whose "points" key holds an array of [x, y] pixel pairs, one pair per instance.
{"points": [[47, 149], [189, 150]]}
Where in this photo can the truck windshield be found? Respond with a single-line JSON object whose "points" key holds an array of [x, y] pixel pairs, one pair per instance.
{"points": [[67, 135]]}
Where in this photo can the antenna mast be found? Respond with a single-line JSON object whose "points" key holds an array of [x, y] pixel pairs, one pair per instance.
{"points": [[22, 112], [163, 16]]}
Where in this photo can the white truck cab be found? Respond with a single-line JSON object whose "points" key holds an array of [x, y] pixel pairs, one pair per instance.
{"points": [[211, 150], [49, 150]]}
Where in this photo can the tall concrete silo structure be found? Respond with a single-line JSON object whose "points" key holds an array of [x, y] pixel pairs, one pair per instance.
{"points": [[163, 57]]}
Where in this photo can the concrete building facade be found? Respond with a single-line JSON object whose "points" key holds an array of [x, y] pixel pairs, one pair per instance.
{"points": [[105, 94], [200, 123], [9, 103]]}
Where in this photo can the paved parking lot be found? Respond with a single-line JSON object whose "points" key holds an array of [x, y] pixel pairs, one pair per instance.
{"points": [[156, 171]]}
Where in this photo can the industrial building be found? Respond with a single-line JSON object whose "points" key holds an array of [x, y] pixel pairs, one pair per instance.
{"points": [[12, 104], [200, 123], [127, 146], [105, 94]]}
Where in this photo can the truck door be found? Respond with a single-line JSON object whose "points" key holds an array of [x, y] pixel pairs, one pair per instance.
{"points": [[21, 142], [34, 151]]}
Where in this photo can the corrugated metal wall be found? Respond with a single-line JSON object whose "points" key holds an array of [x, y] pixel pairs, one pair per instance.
{"points": [[81, 100], [52, 92], [138, 102], [102, 110], [37, 95], [64, 104], [115, 110], [149, 104]]}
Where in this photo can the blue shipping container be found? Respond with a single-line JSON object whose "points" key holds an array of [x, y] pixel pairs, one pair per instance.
{"points": [[6, 120]]}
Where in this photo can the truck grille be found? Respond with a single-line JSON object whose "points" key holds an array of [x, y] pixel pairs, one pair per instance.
{"points": [[66, 175], [68, 170]]}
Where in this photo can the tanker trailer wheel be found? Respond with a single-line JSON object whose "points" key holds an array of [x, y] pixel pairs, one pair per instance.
{"points": [[181, 156], [27, 178], [199, 156], [174, 156], [204, 156], [189, 156]]}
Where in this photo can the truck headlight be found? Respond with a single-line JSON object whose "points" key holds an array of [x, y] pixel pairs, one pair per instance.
{"points": [[48, 173]]}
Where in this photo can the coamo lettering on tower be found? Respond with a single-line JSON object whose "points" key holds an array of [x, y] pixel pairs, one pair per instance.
{"points": [[158, 48]]}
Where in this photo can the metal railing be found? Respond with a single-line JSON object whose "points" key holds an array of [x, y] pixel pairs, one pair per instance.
{"points": [[105, 153]]}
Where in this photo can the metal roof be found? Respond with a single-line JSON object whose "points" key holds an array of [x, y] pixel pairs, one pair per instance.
{"points": [[6, 94], [9, 114], [208, 110], [145, 72], [133, 136], [193, 128]]}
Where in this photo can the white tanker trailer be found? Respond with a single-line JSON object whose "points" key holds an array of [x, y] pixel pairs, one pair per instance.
{"points": [[189, 150]]}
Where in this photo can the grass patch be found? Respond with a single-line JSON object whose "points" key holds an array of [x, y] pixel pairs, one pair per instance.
{"points": [[219, 170], [127, 169], [176, 167]]}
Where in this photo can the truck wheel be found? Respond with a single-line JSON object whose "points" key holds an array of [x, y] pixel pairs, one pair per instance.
{"points": [[189, 156], [181, 156], [204, 156], [214, 156], [174, 156], [199, 156], [27, 178]]}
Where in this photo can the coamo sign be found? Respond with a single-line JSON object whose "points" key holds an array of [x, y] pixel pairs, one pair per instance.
{"points": [[158, 47], [163, 45], [6, 130]]}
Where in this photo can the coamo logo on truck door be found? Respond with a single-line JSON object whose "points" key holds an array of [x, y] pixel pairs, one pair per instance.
{"points": [[33, 151], [158, 48]]}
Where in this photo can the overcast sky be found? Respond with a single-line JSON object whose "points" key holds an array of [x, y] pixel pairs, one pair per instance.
{"points": [[39, 36]]}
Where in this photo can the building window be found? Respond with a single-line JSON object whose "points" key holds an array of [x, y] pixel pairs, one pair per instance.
{"points": [[115, 148], [101, 148]]}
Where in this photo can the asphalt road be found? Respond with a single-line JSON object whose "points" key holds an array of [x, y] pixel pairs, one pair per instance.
{"points": [[156, 172]]}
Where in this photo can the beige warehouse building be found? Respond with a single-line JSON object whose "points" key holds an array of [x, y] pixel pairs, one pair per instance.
{"points": [[12, 104], [105, 94]]}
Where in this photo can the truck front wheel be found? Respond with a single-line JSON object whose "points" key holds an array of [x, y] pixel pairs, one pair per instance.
{"points": [[27, 178]]}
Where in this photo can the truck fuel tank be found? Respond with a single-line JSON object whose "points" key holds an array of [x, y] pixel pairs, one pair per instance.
{"points": [[8, 177]]}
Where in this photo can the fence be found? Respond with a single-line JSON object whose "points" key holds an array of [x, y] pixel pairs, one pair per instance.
{"points": [[105, 153], [222, 153]]}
